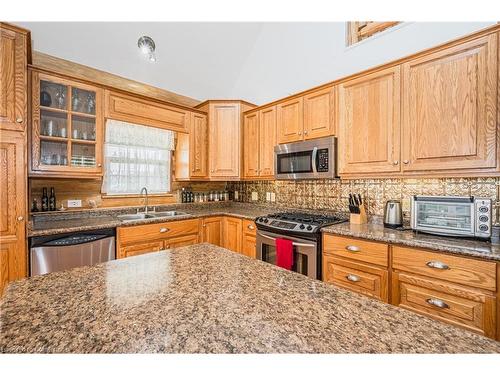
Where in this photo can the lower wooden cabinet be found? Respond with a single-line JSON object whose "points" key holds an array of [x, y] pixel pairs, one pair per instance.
{"points": [[212, 230], [362, 278], [142, 239], [249, 238], [468, 308], [232, 232]]}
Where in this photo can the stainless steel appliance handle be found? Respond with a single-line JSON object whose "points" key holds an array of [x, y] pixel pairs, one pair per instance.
{"points": [[313, 157], [293, 243]]}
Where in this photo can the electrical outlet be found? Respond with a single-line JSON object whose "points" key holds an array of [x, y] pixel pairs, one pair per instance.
{"points": [[268, 196], [74, 203], [273, 197], [255, 196]]}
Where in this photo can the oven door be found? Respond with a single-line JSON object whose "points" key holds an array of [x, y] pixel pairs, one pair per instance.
{"points": [[305, 252], [305, 160]]}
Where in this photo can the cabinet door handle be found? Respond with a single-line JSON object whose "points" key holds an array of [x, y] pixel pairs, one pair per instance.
{"points": [[406, 162], [99, 165], [437, 303], [395, 162], [251, 227], [353, 278], [438, 265], [20, 218], [164, 230], [305, 132], [19, 120], [300, 133], [166, 247], [352, 248]]}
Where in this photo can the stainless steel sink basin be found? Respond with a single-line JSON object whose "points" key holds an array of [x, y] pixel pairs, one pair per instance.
{"points": [[150, 215]]}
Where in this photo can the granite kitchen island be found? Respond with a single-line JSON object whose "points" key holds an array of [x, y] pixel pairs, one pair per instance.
{"points": [[206, 299]]}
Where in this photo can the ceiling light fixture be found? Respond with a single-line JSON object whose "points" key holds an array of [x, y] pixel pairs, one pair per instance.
{"points": [[147, 47]]}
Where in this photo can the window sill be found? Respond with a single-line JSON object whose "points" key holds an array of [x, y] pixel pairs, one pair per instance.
{"points": [[121, 196]]}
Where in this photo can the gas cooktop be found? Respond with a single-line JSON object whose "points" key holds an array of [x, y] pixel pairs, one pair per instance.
{"points": [[296, 222]]}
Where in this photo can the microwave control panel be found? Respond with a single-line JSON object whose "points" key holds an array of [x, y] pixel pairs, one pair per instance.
{"points": [[322, 160]]}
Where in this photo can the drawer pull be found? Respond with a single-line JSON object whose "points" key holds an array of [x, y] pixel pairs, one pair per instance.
{"points": [[437, 265], [437, 303], [164, 230], [251, 227], [352, 248], [353, 278]]}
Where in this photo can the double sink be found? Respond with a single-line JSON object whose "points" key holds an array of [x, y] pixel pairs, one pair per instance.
{"points": [[150, 215]]}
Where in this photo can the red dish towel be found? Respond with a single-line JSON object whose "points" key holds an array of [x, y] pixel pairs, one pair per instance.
{"points": [[284, 253]]}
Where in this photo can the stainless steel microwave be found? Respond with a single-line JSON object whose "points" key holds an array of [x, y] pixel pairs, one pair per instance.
{"points": [[311, 159], [452, 216]]}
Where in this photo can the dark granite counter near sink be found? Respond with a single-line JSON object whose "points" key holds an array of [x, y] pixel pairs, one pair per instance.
{"points": [[205, 299]]}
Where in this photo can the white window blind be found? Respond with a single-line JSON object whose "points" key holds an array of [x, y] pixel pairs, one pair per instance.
{"points": [[136, 156]]}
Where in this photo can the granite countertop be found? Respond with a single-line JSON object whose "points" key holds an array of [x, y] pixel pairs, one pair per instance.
{"points": [[206, 299], [374, 230], [66, 222]]}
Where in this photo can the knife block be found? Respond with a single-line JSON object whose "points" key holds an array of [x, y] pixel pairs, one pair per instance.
{"points": [[360, 218]]}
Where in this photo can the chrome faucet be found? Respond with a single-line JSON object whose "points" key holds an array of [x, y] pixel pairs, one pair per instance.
{"points": [[144, 190]]}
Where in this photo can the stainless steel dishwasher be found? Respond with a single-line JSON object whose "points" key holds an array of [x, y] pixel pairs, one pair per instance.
{"points": [[62, 252]]}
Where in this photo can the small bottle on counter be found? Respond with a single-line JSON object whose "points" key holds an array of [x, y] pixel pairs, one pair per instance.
{"points": [[52, 200], [183, 195], [226, 195], [45, 200], [34, 206]]}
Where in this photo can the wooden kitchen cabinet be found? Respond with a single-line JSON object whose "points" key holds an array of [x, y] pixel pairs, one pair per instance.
{"points": [[13, 198], [259, 137], [232, 234], [142, 239], [290, 120], [212, 230], [198, 151], [450, 108], [67, 127], [319, 113], [369, 123], [13, 77], [251, 139], [249, 238], [141, 111]]}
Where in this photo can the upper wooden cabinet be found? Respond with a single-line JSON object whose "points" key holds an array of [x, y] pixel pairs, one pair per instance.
{"points": [[318, 113], [369, 123], [450, 108], [198, 151], [290, 119], [13, 77], [129, 108], [67, 127], [259, 138], [252, 141]]}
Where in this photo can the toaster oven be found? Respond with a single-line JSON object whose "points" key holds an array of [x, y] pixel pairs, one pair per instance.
{"points": [[451, 216]]}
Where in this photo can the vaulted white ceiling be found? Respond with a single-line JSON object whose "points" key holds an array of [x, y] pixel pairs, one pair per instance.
{"points": [[258, 62]]}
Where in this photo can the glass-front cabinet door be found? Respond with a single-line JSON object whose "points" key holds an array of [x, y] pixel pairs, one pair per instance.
{"points": [[67, 127]]}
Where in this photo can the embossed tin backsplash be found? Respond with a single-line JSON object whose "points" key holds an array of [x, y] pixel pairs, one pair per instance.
{"points": [[333, 194]]}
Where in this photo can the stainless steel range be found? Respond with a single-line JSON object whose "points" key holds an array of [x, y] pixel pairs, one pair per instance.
{"points": [[303, 229]]}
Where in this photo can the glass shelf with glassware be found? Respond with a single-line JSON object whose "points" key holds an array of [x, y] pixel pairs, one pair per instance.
{"points": [[67, 126]]}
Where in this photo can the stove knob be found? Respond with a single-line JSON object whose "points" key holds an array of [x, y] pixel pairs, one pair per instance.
{"points": [[302, 226], [265, 220], [261, 219], [309, 227]]}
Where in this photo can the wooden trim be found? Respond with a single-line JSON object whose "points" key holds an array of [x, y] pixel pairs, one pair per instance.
{"points": [[209, 101], [478, 34]]}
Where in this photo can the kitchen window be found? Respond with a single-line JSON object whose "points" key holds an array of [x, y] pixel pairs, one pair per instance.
{"points": [[360, 30], [136, 156]]}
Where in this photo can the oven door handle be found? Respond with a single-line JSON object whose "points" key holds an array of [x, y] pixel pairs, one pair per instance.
{"points": [[293, 243], [313, 160]]}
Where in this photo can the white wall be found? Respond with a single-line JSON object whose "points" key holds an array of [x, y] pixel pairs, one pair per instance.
{"points": [[258, 62]]}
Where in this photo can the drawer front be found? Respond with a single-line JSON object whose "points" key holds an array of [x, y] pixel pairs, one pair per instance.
{"points": [[249, 227], [365, 251], [367, 280], [452, 304], [141, 248], [141, 233], [181, 241], [465, 271]]}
